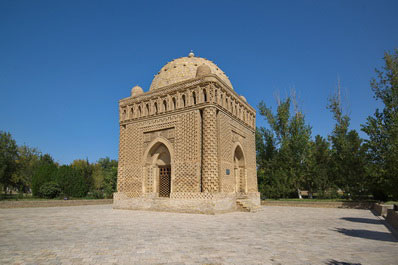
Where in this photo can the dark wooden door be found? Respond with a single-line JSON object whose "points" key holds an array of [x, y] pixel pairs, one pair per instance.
{"points": [[164, 181]]}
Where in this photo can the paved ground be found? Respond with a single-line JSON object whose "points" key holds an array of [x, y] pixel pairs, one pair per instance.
{"points": [[275, 235]]}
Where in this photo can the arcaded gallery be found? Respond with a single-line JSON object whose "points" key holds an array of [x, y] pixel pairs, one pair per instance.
{"points": [[188, 144]]}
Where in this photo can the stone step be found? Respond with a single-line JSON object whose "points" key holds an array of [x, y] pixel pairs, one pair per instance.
{"points": [[247, 206]]}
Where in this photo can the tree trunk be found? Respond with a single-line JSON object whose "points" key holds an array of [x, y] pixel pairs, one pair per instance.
{"points": [[299, 193]]}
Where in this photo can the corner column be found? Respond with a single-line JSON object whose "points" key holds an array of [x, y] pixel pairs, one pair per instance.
{"points": [[210, 182]]}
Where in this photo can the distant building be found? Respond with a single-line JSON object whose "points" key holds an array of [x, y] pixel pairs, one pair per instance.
{"points": [[188, 144]]}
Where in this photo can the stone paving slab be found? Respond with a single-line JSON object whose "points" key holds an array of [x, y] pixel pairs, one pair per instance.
{"points": [[98, 234]]}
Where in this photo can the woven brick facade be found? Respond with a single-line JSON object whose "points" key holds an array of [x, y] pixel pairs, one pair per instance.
{"points": [[210, 180], [189, 144]]}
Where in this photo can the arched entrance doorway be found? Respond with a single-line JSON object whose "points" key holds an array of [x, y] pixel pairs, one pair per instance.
{"points": [[159, 161], [239, 170]]}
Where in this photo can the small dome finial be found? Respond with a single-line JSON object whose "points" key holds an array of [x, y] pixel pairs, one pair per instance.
{"points": [[136, 91], [191, 54]]}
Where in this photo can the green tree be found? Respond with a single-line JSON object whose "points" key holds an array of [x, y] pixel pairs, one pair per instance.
{"points": [[265, 153], [107, 163], [8, 160], [299, 144], [28, 160], [109, 170], [318, 179], [382, 130], [50, 190], [45, 171], [85, 169], [97, 178], [347, 164], [110, 182], [272, 177], [71, 181], [282, 151]]}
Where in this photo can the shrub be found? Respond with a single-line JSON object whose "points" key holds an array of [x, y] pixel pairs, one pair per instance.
{"points": [[97, 194], [71, 182], [44, 173], [50, 190]]}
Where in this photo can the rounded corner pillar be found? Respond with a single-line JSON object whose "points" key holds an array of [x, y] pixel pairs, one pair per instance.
{"points": [[210, 179]]}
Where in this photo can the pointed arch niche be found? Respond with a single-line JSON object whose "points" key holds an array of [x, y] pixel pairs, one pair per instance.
{"points": [[240, 169], [158, 168]]}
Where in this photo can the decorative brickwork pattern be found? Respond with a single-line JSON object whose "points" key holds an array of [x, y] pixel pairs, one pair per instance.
{"points": [[197, 195], [247, 139], [130, 168], [188, 141], [225, 153], [149, 180], [188, 153], [251, 169], [225, 137], [132, 180], [187, 177], [210, 181]]}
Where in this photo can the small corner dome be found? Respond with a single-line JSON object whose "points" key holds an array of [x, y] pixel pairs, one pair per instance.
{"points": [[137, 90], [243, 98], [203, 70]]}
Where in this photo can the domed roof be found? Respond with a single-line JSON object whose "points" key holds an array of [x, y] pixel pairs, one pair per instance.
{"points": [[137, 90], [185, 68]]}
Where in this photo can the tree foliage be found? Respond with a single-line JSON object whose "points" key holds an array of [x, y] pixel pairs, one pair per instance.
{"points": [[8, 159], [347, 163], [24, 169], [72, 181], [84, 169], [289, 160], [45, 172], [50, 190], [109, 171], [318, 178], [382, 130], [27, 162], [282, 150]]}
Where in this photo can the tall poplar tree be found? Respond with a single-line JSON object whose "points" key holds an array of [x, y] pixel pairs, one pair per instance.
{"points": [[282, 151], [347, 163], [382, 129]]}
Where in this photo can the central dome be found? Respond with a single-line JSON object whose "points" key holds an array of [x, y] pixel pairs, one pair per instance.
{"points": [[185, 68]]}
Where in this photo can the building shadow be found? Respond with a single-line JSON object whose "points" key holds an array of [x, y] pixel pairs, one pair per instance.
{"points": [[363, 220], [378, 220], [357, 205], [336, 262], [367, 234]]}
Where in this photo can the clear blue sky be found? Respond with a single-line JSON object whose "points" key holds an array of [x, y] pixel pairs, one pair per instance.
{"points": [[65, 64]]}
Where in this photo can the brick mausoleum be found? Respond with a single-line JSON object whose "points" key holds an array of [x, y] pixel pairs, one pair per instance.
{"points": [[188, 144]]}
